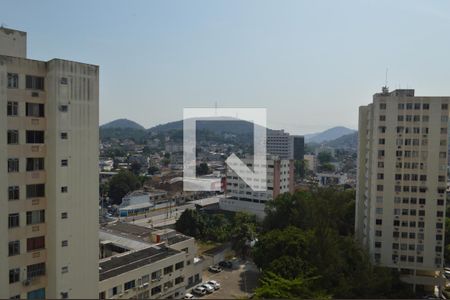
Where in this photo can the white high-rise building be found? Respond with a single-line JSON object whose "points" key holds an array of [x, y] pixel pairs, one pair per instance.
{"points": [[48, 175], [241, 197], [402, 179]]}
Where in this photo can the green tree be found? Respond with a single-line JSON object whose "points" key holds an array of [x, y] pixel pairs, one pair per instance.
{"points": [[190, 223], [202, 169], [324, 157], [121, 184], [153, 170], [135, 167]]}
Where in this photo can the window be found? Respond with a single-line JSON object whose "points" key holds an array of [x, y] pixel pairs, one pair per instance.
{"points": [[156, 290], [64, 215], [382, 118], [168, 270], [179, 280], [35, 163], [14, 275], [35, 243], [64, 135], [15, 297], [64, 189], [13, 165], [34, 82], [439, 214], [444, 106], [13, 193], [426, 106], [64, 163], [63, 108], [35, 270], [13, 137], [377, 244], [12, 109], [13, 220], [382, 105], [13, 248], [35, 110], [63, 80], [35, 137], [35, 217], [35, 190], [64, 269], [13, 81], [64, 295], [64, 243], [379, 221], [129, 285], [179, 265], [156, 275]]}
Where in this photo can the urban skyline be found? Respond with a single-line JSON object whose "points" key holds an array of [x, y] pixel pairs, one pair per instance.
{"points": [[226, 53]]}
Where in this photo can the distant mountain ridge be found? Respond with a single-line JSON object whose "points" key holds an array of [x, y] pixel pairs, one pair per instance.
{"points": [[328, 135], [122, 124]]}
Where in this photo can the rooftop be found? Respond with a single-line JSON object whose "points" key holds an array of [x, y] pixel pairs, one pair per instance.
{"points": [[117, 265]]}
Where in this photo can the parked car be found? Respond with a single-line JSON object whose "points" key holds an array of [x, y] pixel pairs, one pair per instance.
{"points": [[209, 288], [199, 290], [188, 296], [226, 264], [215, 269], [214, 283]]}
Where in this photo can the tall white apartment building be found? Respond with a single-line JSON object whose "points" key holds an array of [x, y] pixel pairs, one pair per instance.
{"points": [[241, 197], [402, 177], [48, 175], [284, 145]]}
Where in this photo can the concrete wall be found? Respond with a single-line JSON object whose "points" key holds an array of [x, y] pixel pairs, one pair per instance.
{"points": [[13, 42]]}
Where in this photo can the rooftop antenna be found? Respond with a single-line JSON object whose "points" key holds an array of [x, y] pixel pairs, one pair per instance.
{"points": [[385, 88]]}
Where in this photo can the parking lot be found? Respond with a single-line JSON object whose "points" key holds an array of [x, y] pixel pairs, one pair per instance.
{"points": [[238, 282]]}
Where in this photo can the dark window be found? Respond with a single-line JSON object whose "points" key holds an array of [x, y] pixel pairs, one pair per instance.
{"points": [[13, 137], [35, 270], [12, 109], [35, 137], [64, 189], [179, 265], [179, 280], [64, 243], [13, 165], [129, 285], [35, 110], [14, 275], [64, 215], [13, 248], [156, 290], [35, 163], [13, 81], [13, 220], [64, 135], [64, 163], [63, 108], [35, 190], [36, 243], [34, 82], [168, 270], [13, 192], [35, 217]]}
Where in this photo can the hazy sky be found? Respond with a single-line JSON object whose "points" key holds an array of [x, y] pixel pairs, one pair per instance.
{"points": [[310, 63]]}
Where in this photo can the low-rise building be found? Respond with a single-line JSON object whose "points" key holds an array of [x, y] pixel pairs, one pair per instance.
{"points": [[142, 263]]}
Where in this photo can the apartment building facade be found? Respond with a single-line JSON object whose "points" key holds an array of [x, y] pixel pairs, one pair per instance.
{"points": [[49, 175], [402, 178], [240, 197], [284, 145]]}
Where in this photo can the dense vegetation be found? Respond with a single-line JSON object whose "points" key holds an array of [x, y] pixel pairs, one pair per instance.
{"points": [[307, 250], [239, 228], [121, 184]]}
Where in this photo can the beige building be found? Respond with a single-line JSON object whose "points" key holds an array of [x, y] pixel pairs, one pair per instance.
{"points": [[48, 175], [143, 263], [241, 197], [402, 178]]}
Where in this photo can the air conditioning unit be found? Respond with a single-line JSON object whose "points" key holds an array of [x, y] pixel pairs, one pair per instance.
{"points": [[145, 285], [26, 282]]}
